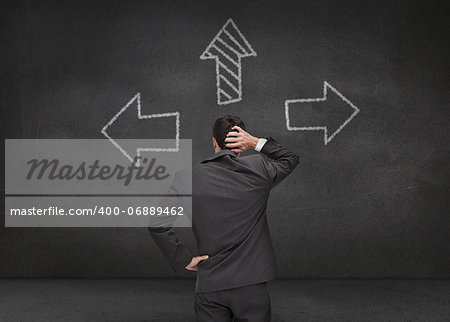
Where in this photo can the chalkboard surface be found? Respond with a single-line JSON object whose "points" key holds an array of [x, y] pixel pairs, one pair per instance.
{"points": [[371, 202]]}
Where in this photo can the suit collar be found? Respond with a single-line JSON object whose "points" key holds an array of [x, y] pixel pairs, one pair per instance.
{"points": [[219, 154]]}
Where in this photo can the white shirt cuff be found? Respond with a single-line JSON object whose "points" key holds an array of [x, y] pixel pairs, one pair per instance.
{"points": [[260, 144]]}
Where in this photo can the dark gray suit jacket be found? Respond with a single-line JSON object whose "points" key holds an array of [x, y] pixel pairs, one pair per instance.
{"points": [[229, 200]]}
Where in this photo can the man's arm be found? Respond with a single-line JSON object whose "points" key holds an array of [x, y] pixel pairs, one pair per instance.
{"points": [[161, 230], [283, 161], [175, 252]]}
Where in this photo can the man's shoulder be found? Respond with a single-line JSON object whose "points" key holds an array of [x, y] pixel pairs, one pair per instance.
{"points": [[256, 157], [254, 160]]}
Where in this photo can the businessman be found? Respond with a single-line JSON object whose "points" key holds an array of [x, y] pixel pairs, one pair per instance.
{"points": [[229, 201]]}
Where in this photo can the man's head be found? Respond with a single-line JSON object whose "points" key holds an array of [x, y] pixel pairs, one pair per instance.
{"points": [[221, 128]]}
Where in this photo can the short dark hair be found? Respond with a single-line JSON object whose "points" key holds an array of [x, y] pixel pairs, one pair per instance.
{"points": [[223, 125]]}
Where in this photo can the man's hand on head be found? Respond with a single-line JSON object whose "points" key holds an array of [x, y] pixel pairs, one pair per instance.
{"points": [[240, 141], [192, 266]]}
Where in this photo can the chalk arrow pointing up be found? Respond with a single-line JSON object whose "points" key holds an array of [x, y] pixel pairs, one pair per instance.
{"points": [[133, 106], [330, 113], [227, 48]]}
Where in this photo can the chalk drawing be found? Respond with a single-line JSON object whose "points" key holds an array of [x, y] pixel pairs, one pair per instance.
{"points": [[227, 48], [327, 137], [137, 99]]}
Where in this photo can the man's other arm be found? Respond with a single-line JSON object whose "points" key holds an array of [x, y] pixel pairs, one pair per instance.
{"points": [[175, 252], [282, 160], [162, 232]]}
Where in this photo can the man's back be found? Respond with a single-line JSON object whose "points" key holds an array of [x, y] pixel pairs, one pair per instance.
{"points": [[229, 216], [229, 200]]}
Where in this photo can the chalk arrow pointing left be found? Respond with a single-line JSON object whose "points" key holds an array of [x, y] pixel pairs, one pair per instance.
{"points": [[133, 107], [329, 113], [227, 48]]}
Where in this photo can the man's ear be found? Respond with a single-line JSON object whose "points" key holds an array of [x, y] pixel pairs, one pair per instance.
{"points": [[214, 142]]}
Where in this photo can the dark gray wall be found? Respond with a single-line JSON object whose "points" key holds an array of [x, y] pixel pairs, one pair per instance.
{"points": [[374, 202]]}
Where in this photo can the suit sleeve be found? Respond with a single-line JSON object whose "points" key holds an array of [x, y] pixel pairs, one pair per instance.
{"points": [[162, 232], [282, 161], [172, 248]]}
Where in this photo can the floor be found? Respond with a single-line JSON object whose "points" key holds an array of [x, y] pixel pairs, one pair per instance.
{"points": [[172, 300]]}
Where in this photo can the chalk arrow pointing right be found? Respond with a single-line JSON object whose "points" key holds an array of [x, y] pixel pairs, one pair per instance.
{"points": [[227, 48], [323, 113]]}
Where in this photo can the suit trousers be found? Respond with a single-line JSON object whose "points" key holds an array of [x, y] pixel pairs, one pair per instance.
{"points": [[249, 303]]}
